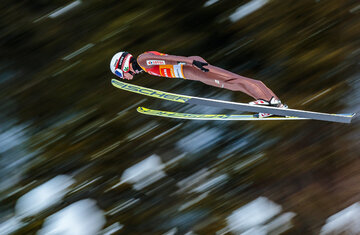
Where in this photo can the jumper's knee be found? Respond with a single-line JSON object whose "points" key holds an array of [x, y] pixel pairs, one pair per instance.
{"points": [[260, 85]]}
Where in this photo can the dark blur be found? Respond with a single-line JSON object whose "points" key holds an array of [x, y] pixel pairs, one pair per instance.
{"points": [[73, 146]]}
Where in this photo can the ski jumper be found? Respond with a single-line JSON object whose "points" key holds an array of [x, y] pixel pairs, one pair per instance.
{"points": [[163, 65]]}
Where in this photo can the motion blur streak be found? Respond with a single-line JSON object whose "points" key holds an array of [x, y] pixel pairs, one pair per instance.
{"points": [[77, 158]]}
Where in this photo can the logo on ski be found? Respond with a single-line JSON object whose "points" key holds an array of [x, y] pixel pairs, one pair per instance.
{"points": [[213, 117], [150, 92]]}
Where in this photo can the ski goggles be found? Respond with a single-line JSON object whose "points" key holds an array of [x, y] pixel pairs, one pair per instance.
{"points": [[123, 65]]}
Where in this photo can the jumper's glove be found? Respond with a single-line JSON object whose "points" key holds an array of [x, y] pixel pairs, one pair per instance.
{"points": [[200, 65]]}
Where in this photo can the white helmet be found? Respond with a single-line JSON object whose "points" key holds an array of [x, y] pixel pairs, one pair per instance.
{"points": [[120, 63]]}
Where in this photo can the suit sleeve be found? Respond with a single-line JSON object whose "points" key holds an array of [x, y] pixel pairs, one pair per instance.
{"points": [[147, 60]]}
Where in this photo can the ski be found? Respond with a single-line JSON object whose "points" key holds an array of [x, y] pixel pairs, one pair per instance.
{"points": [[213, 117], [342, 118]]}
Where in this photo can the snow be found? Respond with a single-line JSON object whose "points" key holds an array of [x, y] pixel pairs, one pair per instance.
{"points": [[13, 150], [10, 226], [260, 216], [343, 222], [211, 184], [254, 213], [144, 173], [80, 218], [79, 51], [123, 206], [280, 224], [172, 231], [43, 196], [12, 137], [247, 9], [65, 9], [194, 179], [200, 140], [258, 230], [210, 2], [36, 201], [112, 229], [193, 201]]}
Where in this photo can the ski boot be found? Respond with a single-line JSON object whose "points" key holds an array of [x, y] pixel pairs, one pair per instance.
{"points": [[272, 102]]}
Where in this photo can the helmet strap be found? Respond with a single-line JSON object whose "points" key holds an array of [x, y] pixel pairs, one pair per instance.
{"points": [[135, 65]]}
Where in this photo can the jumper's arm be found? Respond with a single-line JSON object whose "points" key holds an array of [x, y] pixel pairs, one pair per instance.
{"points": [[147, 60]]}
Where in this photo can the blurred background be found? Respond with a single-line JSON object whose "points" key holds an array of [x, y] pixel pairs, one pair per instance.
{"points": [[76, 157]]}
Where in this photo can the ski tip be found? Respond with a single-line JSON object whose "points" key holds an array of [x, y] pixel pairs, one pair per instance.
{"points": [[350, 116], [353, 115], [346, 117]]}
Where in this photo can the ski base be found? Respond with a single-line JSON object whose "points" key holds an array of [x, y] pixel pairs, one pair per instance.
{"points": [[214, 117]]}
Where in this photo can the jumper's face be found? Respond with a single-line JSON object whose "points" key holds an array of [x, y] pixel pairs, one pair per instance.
{"points": [[130, 74]]}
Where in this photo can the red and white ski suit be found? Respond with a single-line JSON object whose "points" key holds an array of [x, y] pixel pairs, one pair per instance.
{"points": [[159, 64]]}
